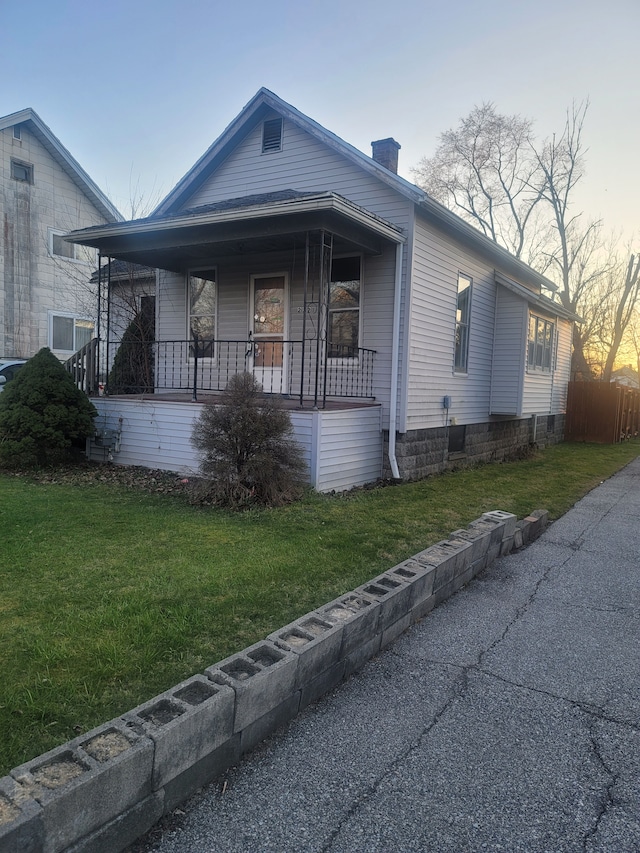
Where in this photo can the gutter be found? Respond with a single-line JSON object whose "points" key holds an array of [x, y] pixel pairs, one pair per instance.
{"points": [[395, 360]]}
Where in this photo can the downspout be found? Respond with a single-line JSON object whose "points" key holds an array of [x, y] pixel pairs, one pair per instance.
{"points": [[395, 361]]}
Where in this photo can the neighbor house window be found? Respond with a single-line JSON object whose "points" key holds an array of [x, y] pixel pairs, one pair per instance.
{"points": [[69, 333], [22, 172], [202, 313], [463, 315], [17, 131], [272, 135], [540, 344], [344, 307], [59, 248]]}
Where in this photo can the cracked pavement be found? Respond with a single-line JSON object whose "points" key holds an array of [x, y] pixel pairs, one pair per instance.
{"points": [[507, 720]]}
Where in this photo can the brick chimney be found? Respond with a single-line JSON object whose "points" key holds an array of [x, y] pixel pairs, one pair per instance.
{"points": [[385, 152]]}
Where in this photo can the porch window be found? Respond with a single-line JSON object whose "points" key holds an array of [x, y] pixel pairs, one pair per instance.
{"points": [[540, 344], [463, 315], [344, 307], [68, 333], [202, 313]]}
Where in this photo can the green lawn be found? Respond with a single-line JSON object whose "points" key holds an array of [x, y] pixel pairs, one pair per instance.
{"points": [[109, 596]]}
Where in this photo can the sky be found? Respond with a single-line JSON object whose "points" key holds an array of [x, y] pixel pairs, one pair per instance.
{"points": [[137, 90]]}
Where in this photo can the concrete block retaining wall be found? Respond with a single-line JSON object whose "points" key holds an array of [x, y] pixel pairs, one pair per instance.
{"points": [[109, 786]]}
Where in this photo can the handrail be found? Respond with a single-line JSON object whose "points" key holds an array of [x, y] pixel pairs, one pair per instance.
{"points": [[83, 367]]}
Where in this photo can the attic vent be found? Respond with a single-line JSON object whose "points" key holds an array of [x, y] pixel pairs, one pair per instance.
{"points": [[272, 135]]}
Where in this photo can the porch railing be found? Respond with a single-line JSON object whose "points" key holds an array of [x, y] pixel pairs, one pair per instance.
{"points": [[83, 367], [291, 368]]}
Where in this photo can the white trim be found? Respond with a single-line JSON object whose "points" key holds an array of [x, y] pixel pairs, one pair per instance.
{"points": [[74, 247], [345, 361], [70, 316], [285, 326], [192, 272], [465, 371]]}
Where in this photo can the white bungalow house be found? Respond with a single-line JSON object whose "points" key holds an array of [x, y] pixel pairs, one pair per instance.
{"points": [[402, 339]]}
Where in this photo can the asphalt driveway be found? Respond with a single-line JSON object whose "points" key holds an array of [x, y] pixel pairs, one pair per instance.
{"points": [[507, 720]]}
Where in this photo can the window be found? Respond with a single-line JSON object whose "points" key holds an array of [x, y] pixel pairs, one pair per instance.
{"points": [[272, 135], [59, 247], [68, 333], [463, 314], [17, 131], [540, 344], [202, 313], [344, 308], [22, 172]]}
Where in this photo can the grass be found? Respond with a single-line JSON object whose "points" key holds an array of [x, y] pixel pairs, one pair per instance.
{"points": [[109, 596]]}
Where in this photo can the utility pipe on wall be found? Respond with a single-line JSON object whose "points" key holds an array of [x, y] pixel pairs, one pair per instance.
{"points": [[395, 360]]}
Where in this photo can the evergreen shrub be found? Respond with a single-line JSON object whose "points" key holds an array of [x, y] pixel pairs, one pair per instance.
{"points": [[44, 417]]}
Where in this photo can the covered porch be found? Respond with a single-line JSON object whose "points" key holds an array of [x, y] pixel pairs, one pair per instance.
{"points": [[270, 284]]}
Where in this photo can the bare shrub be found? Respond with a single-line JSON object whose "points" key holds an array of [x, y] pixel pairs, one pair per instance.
{"points": [[249, 454]]}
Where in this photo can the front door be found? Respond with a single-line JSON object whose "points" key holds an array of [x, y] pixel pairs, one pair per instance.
{"points": [[269, 325]]}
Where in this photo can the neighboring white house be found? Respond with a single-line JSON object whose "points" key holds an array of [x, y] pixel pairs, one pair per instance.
{"points": [[45, 295], [626, 376], [404, 340]]}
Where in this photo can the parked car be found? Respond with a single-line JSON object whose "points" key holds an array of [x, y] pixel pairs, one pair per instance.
{"points": [[8, 369]]}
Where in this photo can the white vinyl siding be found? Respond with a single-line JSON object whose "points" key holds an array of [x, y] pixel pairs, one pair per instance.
{"points": [[562, 376], [342, 449], [436, 264], [539, 394], [304, 164], [507, 375]]}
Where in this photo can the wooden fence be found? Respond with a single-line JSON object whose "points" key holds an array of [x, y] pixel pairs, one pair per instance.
{"points": [[605, 413]]}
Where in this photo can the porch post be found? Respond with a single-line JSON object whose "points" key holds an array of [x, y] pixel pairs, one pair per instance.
{"points": [[108, 318], [98, 329], [327, 260], [304, 317]]}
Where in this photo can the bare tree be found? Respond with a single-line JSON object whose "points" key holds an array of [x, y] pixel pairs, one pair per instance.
{"points": [[487, 171], [626, 290], [521, 194]]}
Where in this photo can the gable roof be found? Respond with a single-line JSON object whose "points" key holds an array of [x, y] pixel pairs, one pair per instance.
{"points": [[65, 160], [264, 103]]}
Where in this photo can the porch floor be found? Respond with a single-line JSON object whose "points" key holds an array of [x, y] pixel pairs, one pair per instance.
{"points": [[289, 403]]}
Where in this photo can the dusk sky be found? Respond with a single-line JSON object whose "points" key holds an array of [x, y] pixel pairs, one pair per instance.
{"points": [[138, 89]]}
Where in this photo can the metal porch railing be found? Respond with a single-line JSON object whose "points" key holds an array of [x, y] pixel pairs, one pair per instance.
{"points": [[291, 368]]}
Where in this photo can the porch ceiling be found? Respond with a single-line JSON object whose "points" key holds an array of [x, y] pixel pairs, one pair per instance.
{"points": [[223, 230]]}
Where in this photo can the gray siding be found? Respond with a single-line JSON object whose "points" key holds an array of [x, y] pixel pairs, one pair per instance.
{"points": [[349, 449], [436, 264], [509, 353], [563, 368], [342, 449], [33, 283], [303, 164], [547, 392]]}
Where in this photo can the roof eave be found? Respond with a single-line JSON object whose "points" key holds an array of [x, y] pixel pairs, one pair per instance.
{"points": [[321, 202]]}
